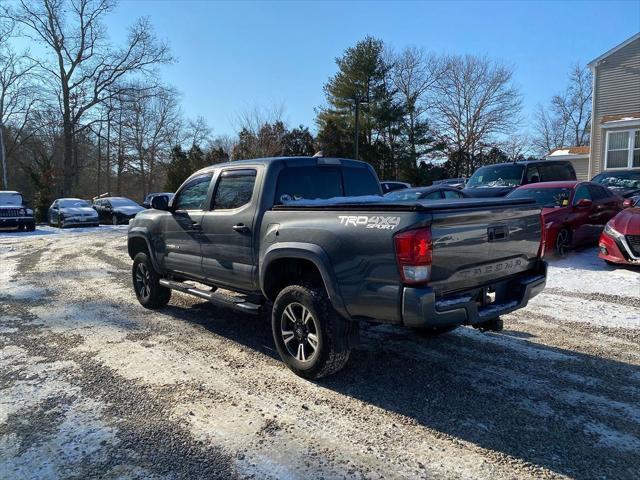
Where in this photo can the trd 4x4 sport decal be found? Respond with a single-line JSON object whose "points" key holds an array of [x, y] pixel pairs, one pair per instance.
{"points": [[375, 221]]}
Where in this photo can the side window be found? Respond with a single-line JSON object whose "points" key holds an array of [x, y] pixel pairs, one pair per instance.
{"points": [[193, 194], [581, 193], [433, 196], [452, 194], [533, 176], [597, 193], [234, 189]]}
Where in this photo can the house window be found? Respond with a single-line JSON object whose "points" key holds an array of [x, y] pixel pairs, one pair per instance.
{"points": [[623, 149]]}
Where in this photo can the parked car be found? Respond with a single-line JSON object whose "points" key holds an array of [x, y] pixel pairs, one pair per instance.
{"points": [[499, 179], [631, 201], [326, 261], [625, 183], [390, 186], [437, 192], [574, 213], [452, 182], [151, 196], [14, 212], [620, 240], [66, 212], [116, 210]]}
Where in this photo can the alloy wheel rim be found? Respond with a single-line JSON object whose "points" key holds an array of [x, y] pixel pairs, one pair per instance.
{"points": [[143, 281], [300, 332], [562, 242]]}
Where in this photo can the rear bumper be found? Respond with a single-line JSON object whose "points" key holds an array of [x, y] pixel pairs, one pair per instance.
{"points": [[421, 308], [15, 222]]}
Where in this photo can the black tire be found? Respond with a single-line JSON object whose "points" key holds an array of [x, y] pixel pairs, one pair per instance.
{"points": [[31, 227], [325, 323], [563, 242], [146, 283], [435, 331]]}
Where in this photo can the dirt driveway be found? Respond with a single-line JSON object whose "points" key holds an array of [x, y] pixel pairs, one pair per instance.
{"points": [[92, 385]]}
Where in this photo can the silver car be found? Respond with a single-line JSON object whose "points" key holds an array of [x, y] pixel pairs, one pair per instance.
{"points": [[65, 212]]}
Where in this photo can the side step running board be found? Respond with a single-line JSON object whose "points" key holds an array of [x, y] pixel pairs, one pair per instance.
{"points": [[220, 299]]}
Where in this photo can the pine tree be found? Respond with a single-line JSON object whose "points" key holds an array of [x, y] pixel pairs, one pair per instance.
{"points": [[178, 170]]}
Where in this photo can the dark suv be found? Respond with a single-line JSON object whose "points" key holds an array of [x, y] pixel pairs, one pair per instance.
{"points": [[499, 179]]}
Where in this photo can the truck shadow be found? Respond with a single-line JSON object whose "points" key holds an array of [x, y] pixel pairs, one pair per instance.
{"points": [[572, 413]]}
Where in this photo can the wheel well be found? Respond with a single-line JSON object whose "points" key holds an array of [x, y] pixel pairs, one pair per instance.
{"points": [[137, 245], [290, 271]]}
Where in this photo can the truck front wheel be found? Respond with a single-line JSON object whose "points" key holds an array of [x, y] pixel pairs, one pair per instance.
{"points": [[146, 284], [306, 330]]}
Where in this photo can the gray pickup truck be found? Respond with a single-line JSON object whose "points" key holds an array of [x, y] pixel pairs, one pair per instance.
{"points": [[261, 229]]}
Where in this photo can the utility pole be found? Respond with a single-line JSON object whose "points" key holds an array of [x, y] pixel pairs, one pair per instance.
{"points": [[3, 160]]}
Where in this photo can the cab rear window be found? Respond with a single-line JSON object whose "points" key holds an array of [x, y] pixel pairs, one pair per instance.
{"points": [[323, 182]]}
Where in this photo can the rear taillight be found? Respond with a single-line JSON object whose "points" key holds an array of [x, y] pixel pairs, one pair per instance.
{"points": [[414, 253]]}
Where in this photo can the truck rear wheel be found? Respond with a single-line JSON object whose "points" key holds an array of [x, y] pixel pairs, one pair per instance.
{"points": [[306, 331], [146, 283]]}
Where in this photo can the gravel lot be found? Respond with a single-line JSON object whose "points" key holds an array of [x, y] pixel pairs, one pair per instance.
{"points": [[92, 385]]}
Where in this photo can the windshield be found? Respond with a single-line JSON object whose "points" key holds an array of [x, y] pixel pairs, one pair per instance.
{"points": [[619, 180], [404, 195], [74, 203], [545, 197], [10, 199], [123, 202], [497, 176]]}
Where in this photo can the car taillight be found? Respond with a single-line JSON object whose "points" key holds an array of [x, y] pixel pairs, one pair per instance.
{"points": [[414, 253], [543, 239]]}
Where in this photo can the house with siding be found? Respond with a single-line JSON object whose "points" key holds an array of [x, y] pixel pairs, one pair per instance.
{"points": [[615, 124], [578, 156]]}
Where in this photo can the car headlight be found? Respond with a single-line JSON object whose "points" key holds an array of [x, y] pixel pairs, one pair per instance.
{"points": [[22, 212], [612, 232]]}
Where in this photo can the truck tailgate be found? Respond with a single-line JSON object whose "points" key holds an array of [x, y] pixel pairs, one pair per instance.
{"points": [[476, 245]]}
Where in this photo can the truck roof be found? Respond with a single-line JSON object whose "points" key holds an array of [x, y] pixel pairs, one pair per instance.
{"points": [[288, 160]]}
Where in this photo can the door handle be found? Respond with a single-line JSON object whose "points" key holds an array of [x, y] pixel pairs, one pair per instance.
{"points": [[241, 228], [196, 226]]}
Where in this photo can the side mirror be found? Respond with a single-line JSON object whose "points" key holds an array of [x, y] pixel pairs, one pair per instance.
{"points": [[160, 202], [584, 203]]}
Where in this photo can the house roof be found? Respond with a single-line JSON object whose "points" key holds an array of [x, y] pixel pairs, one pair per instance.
{"points": [[595, 61], [621, 117], [569, 151]]}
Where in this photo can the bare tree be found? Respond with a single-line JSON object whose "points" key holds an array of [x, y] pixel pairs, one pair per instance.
{"points": [[516, 146], [567, 121], [198, 132], [475, 100], [84, 66], [17, 97], [415, 74], [150, 120]]}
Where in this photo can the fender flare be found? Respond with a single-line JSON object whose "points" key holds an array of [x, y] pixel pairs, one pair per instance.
{"points": [[138, 234], [305, 251]]}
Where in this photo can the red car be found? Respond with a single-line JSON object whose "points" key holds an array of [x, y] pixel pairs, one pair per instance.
{"points": [[620, 240], [574, 212]]}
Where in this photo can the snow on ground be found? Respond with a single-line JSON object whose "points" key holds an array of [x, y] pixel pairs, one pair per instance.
{"points": [[582, 271], [43, 230], [96, 386]]}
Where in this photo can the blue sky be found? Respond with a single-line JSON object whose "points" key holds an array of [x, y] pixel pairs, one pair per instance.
{"points": [[232, 56]]}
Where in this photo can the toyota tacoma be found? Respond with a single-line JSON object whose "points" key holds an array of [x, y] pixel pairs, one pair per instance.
{"points": [[313, 240]]}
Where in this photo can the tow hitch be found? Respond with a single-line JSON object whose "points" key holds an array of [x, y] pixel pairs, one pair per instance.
{"points": [[493, 325]]}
